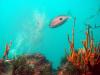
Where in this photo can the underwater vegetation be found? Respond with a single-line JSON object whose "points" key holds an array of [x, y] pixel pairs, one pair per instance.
{"points": [[84, 61], [81, 61]]}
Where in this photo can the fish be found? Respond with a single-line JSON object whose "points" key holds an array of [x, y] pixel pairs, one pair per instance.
{"points": [[58, 21]]}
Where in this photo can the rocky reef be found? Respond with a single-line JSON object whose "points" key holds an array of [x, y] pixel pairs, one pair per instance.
{"points": [[32, 65], [35, 64]]}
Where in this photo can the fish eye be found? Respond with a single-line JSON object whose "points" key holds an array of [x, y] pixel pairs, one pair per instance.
{"points": [[60, 18]]}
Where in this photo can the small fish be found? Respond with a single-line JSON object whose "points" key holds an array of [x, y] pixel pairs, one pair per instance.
{"points": [[58, 21]]}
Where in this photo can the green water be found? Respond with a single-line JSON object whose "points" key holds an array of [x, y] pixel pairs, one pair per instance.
{"points": [[26, 24]]}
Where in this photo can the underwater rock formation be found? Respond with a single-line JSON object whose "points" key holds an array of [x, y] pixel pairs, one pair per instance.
{"points": [[2, 67], [32, 65], [5, 67]]}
